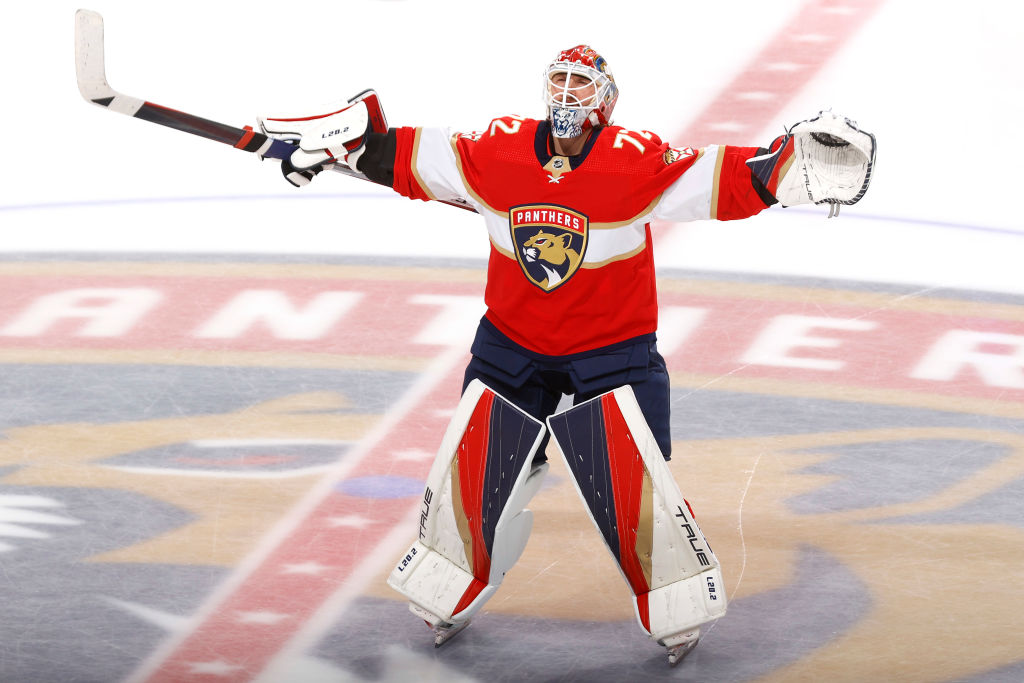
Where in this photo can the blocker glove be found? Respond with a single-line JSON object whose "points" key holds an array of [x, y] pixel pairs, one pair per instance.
{"points": [[322, 140]]}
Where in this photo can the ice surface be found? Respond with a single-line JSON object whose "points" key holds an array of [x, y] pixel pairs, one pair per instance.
{"points": [[183, 503]]}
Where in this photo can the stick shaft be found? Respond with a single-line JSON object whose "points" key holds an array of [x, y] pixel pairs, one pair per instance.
{"points": [[92, 83]]}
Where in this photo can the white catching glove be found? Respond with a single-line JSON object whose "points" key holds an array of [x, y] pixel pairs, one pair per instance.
{"points": [[827, 159], [322, 140]]}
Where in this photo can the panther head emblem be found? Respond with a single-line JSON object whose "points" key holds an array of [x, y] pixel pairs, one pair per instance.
{"points": [[554, 254], [550, 242], [567, 122]]}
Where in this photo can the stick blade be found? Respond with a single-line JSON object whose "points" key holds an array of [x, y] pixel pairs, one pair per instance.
{"points": [[89, 66]]}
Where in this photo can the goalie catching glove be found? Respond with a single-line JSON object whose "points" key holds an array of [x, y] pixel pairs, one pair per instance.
{"points": [[827, 159], [323, 140]]}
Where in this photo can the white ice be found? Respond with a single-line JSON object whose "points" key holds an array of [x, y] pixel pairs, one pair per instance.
{"points": [[941, 88]]}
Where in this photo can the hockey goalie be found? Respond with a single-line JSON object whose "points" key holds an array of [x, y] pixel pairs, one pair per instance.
{"points": [[568, 202]]}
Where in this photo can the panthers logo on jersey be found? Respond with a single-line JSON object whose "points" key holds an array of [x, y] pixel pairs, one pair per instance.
{"points": [[674, 154], [550, 242]]}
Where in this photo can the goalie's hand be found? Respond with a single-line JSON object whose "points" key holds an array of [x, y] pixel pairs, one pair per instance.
{"points": [[827, 159], [324, 139], [301, 177]]}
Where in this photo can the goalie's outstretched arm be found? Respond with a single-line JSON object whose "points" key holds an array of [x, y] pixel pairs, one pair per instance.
{"points": [[377, 162], [354, 139]]}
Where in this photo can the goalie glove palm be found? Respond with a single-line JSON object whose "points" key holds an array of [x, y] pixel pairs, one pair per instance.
{"points": [[826, 159]]}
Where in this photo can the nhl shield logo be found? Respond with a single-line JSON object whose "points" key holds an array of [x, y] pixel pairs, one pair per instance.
{"points": [[550, 242]]}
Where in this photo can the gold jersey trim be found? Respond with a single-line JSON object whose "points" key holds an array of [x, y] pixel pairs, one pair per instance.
{"points": [[415, 164], [504, 252], [629, 221], [716, 181], [620, 257], [469, 188], [600, 264]]}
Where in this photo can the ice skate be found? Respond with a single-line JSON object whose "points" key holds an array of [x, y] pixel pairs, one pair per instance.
{"points": [[679, 646], [444, 631]]}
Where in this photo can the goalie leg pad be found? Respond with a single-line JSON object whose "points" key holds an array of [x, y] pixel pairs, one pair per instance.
{"points": [[635, 504], [473, 525]]}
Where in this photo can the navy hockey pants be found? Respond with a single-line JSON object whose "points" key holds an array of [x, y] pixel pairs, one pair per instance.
{"points": [[536, 383]]}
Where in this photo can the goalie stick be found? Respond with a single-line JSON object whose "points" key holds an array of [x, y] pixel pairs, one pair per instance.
{"points": [[90, 69]]}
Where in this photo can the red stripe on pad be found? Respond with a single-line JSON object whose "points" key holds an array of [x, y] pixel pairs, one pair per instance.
{"points": [[626, 468], [476, 587], [643, 609], [471, 463]]}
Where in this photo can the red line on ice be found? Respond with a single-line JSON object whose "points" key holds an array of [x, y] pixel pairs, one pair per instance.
{"points": [[786, 63], [336, 541]]}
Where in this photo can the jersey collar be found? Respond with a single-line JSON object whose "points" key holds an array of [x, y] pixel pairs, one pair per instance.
{"points": [[543, 148]]}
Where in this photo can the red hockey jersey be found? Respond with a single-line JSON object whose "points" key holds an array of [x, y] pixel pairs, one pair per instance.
{"points": [[571, 267]]}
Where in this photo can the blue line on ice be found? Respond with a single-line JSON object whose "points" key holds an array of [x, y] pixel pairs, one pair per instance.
{"points": [[101, 203]]}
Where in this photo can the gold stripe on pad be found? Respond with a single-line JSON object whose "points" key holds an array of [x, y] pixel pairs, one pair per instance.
{"points": [[460, 514], [645, 528]]}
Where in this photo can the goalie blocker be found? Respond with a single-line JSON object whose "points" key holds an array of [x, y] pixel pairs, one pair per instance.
{"points": [[324, 139]]}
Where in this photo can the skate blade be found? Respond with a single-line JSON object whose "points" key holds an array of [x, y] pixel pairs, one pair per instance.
{"points": [[442, 634], [677, 653], [681, 645]]}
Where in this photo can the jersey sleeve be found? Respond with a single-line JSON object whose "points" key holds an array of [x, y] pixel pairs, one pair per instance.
{"points": [[718, 186], [426, 166]]}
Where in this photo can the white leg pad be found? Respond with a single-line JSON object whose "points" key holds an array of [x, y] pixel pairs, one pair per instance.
{"points": [[684, 605], [634, 502], [473, 525], [434, 585]]}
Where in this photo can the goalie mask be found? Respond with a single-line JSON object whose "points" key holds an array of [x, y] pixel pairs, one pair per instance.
{"points": [[579, 92]]}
